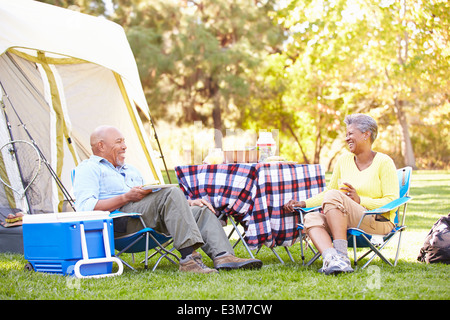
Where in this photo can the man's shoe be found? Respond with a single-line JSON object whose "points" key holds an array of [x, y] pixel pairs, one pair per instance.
{"points": [[228, 261], [193, 263], [335, 264]]}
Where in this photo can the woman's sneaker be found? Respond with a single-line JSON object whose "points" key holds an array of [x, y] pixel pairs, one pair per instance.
{"points": [[335, 264]]}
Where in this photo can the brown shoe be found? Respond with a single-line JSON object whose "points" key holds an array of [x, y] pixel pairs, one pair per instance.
{"points": [[228, 262], [194, 264]]}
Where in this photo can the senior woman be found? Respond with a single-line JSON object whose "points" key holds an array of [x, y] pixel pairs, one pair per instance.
{"points": [[367, 180]]}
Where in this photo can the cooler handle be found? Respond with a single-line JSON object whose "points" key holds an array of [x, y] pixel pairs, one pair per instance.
{"points": [[86, 259]]}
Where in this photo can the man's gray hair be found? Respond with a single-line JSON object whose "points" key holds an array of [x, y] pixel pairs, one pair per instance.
{"points": [[364, 123]]}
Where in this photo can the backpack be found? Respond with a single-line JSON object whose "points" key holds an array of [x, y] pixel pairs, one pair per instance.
{"points": [[436, 247]]}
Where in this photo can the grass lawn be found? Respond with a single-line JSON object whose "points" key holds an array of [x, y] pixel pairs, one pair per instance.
{"points": [[410, 279]]}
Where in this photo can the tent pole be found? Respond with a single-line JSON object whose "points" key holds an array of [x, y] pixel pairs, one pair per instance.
{"points": [[8, 125], [159, 147]]}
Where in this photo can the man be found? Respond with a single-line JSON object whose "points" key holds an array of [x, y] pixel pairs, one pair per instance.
{"points": [[104, 182]]}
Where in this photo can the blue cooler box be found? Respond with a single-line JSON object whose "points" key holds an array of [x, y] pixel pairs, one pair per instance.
{"points": [[70, 243]]}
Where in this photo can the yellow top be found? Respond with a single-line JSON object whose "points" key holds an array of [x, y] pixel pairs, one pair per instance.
{"points": [[376, 185]]}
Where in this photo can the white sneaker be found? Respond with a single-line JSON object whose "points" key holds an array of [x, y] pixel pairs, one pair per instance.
{"points": [[335, 264]]}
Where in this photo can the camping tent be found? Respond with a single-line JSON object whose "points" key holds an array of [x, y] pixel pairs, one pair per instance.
{"points": [[62, 74]]}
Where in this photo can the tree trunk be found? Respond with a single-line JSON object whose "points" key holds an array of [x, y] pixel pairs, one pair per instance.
{"points": [[217, 121], [402, 56], [407, 148], [305, 158]]}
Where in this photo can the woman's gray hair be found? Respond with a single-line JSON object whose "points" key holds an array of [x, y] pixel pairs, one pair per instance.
{"points": [[364, 123]]}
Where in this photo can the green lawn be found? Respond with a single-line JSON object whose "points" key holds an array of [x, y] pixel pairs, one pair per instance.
{"points": [[408, 280]]}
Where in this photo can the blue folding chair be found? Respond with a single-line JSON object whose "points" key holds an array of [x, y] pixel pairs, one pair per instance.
{"points": [[142, 241], [358, 238]]}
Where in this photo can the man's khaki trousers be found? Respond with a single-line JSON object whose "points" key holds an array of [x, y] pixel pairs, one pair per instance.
{"points": [[167, 211]]}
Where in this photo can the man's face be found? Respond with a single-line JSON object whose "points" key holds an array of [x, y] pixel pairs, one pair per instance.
{"points": [[114, 147]]}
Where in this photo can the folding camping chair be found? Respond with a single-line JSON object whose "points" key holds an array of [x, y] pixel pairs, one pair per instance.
{"points": [[359, 238], [142, 241]]}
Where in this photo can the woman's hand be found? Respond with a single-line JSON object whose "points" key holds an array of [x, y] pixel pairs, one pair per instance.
{"points": [[289, 207], [201, 203], [350, 192]]}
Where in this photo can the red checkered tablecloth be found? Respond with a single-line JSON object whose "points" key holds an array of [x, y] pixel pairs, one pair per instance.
{"points": [[254, 194]]}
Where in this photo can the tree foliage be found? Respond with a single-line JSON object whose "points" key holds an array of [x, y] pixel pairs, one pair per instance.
{"points": [[386, 58], [196, 57], [298, 66]]}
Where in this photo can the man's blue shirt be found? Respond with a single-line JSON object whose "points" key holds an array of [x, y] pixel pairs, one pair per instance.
{"points": [[97, 179]]}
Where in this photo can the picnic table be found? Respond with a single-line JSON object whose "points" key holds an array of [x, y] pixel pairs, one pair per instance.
{"points": [[254, 195]]}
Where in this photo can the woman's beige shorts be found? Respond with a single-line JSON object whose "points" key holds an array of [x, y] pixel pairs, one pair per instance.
{"points": [[353, 211]]}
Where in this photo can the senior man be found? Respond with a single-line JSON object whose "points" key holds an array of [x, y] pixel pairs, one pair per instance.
{"points": [[105, 182]]}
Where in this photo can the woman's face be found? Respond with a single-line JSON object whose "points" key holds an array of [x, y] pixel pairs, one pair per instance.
{"points": [[356, 140]]}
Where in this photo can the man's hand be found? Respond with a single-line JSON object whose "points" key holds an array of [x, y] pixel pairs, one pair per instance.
{"points": [[201, 203], [136, 194], [133, 195]]}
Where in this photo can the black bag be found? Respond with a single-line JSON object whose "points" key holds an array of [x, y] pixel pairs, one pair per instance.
{"points": [[436, 247]]}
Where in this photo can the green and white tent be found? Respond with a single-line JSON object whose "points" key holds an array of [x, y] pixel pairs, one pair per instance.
{"points": [[64, 73]]}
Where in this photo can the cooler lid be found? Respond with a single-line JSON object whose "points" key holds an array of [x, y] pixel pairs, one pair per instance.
{"points": [[65, 217]]}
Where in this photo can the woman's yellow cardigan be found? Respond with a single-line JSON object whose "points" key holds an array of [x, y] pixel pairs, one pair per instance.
{"points": [[376, 185]]}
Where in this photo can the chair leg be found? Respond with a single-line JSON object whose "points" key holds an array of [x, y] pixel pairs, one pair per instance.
{"points": [[146, 251], [242, 239], [301, 248], [162, 248], [165, 245], [313, 259], [129, 266], [398, 248], [376, 253], [132, 255], [289, 254], [163, 255], [276, 255]]}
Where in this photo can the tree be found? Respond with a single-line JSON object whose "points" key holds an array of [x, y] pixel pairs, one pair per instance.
{"points": [[93, 7], [298, 66], [385, 57], [409, 62], [198, 55]]}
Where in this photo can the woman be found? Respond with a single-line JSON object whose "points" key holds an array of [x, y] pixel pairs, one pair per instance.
{"points": [[368, 180]]}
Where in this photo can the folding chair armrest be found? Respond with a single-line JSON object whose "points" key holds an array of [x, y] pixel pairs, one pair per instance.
{"points": [[306, 210], [386, 208], [390, 206], [118, 214]]}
